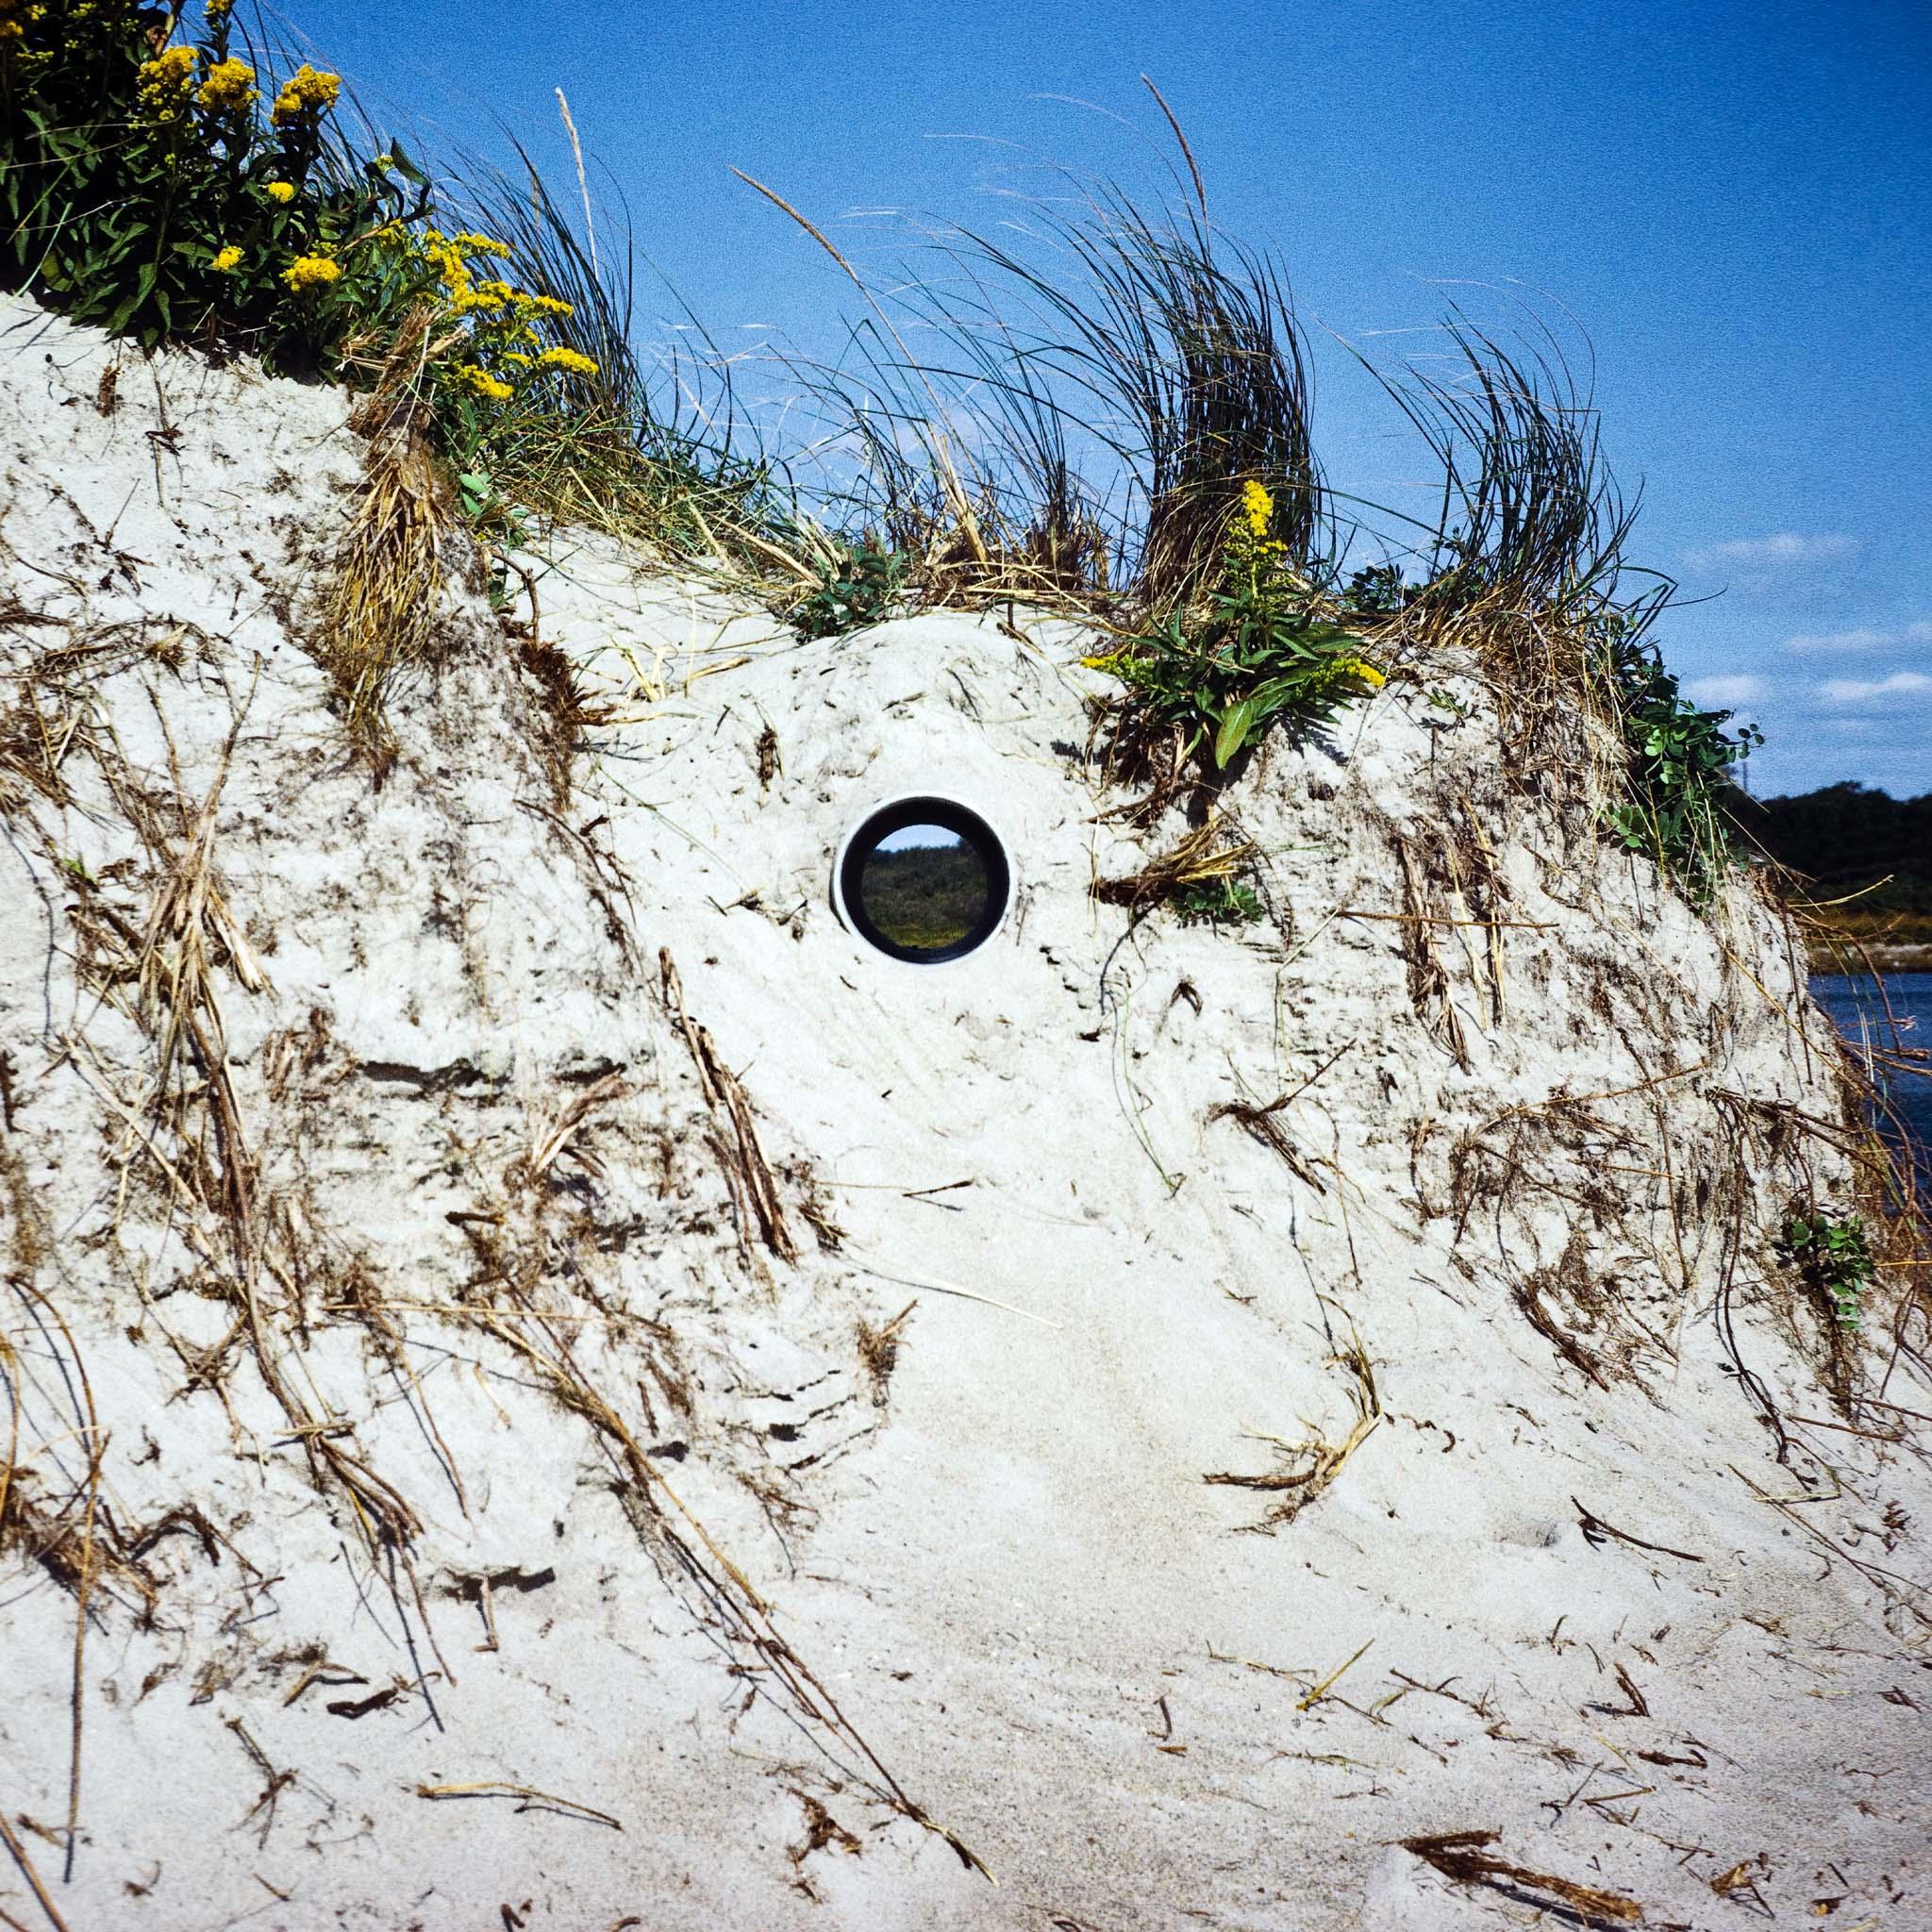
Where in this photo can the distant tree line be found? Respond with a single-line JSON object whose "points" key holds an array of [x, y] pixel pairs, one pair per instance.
{"points": [[1846, 837], [924, 895]]}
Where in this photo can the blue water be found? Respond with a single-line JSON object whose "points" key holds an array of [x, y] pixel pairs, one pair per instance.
{"points": [[1857, 1006]]}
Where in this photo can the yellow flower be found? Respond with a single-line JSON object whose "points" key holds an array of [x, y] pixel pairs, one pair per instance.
{"points": [[480, 245], [544, 304], [1257, 505], [311, 271], [217, 9], [384, 161], [283, 192], [305, 95], [1360, 667], [228, 89], [165, 82], [568, 361], [229, 257], [447, 259], [479, 381]]}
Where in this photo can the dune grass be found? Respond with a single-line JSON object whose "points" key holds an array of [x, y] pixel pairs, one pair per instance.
{"points": [[1107, 384]]}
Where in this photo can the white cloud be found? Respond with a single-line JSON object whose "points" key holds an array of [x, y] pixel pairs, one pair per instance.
{"points": [[1785, 550], [1861, 639], [1726, 687], [1859, 690]]}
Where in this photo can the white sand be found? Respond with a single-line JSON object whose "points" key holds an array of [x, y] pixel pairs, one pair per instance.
{"points": [[1007, 1570]]}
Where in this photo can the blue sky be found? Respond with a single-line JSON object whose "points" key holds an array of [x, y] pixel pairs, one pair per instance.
{"points": [[1734, 200]]}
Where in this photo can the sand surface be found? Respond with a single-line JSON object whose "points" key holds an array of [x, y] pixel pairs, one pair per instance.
{"points": [[455, 1354]]}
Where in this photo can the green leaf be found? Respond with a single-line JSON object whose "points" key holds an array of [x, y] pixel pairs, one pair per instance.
{"points": [[1236, 723], [143, 287], [405, 167]]}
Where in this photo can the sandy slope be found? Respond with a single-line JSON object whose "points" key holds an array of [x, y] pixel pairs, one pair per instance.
{"points": [[1002, 1600]]}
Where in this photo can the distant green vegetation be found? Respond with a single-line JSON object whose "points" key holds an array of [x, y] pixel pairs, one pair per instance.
{"points": [[926, 896], [1852, 842]]}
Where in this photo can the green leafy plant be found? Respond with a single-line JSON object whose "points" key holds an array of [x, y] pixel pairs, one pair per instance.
{"points": [[1835, 1256], [1218, 902], [1257, 651], [498, 524], [174, 192], [857, 588], [1678, 776], [1376, 591]]}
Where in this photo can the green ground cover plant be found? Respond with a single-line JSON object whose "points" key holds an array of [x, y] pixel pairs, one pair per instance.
{"points": [[1832, 1254], [858, 585], [1219, 902]]}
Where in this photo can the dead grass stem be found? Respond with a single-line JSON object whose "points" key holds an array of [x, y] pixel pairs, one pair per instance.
{"points": [[382, 610], [1460, 1855], [1211, 851], [1311, 1466]]}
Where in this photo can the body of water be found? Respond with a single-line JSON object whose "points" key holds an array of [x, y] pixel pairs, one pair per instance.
{"points": [[1858, 1006]]}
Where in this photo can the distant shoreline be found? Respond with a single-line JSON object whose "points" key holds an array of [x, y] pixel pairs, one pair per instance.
{"points": [[1882, 961]]}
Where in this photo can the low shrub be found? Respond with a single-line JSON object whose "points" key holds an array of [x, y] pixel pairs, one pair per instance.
{"points": [[1376, 590]]}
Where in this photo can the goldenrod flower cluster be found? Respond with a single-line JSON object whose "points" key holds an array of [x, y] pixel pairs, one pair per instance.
{"points": [[478, 381], [1258, 563], [165, 83], [450, 256], [283, 192], [305, 95], [16, 16], [227, 260], [229, 89], [311, 271], [1251, 551], [500, 342], [217, 11]]}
